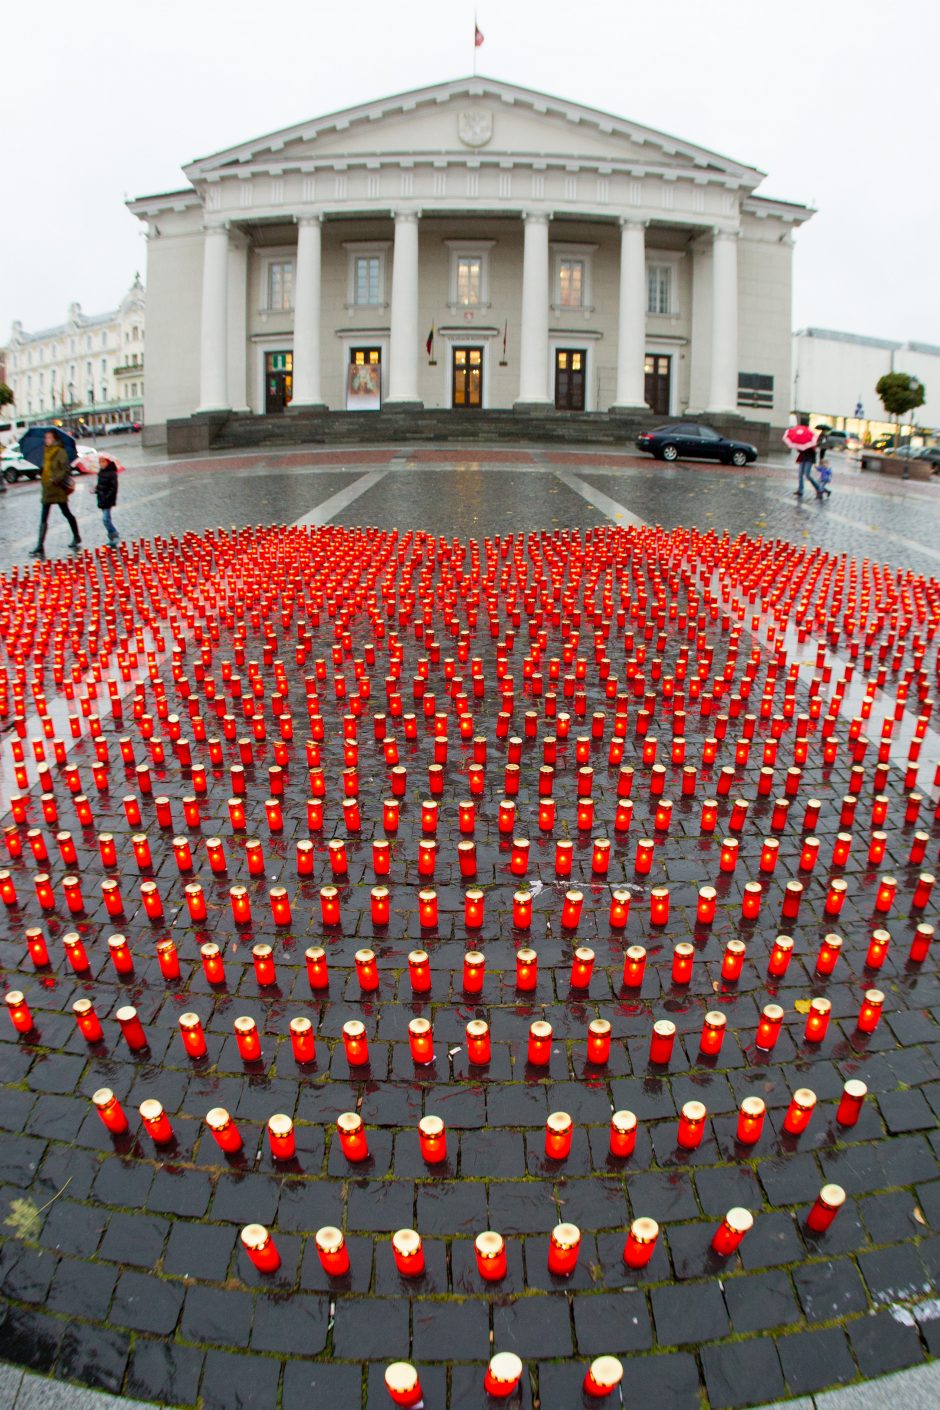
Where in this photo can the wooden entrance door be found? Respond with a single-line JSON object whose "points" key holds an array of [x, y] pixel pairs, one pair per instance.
{"points": [[569, 379], [278, 381], [657, 379], [468, 379]]}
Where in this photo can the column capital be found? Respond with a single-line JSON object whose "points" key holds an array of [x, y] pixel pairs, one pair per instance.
{"points": [[629, 222], [308, 218], [536, 217], [402, 216], [216, 227], [721, 232]]}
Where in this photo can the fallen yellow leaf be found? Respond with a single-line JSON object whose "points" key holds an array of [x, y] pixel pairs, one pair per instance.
{"points": [[919, 1215], [802, 1005]]}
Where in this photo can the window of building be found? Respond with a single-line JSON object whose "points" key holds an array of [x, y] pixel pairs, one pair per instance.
{"points": [[755, 389], [104, 367], [366, 273], [572, 277], [659, 288], [104, 339], [280, 292], [88, 342], [133, 389], [469, 277], [135, 334], [367, 287]]}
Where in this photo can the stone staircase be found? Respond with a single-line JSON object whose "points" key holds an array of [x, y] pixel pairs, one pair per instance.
{"points": [[391, 427]]}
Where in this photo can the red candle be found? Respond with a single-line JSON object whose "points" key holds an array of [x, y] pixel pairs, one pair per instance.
{"points": [[352, 1136], [870, 1012], [563, 1247], [829, 951], [356, 1043], [490, 1249], [168, 959], [329, 905], [75, 952], [502, 1375], [707, 898], [571, 910], [212, 963], [408, 1253], [661, 1041], [540, 1043], [659, 905], [884, 900], [713, 1033], [216, 854], [728, 858], [923, 890], [564, 852], [191, 1032], [734, 956], [263, 959], [817, 1020], [18, 1009], [527, 969], [247, 1038], [281, 1136], [303, 1044], [634, 966], [780, 956], [432, 1137], [709, 820], [691, 1125], [800, 1111], [641, 1243], [600, 856], [331, 1247], [603, 1376], [427, 908], [88, 1023], [850, 1104], [737, 1222], [280, 905], [131, 1028], [478, 1041], [474, 969], [259, 1246], [156, 1122], [645, 849], [224, 1131], [829, 1201], [109, 1109], [770, 851], [768, 1029], [619, 909], [920, 945], [559, 1129], [522, 910], [367, 971], [842, 849], [792, 897], [120, 953], [683, 956], [598, 1048], [421, 1040], [750, 1120], [582, 967], [836, 896], [622, 1134]]}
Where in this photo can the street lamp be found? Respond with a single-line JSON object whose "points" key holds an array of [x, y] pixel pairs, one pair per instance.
{"points": [[91, 403]]}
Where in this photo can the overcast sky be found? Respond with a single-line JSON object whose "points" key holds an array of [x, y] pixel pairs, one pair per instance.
{"points": [[835, 100]]}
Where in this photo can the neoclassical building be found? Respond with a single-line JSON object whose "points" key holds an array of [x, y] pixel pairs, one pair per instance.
{"points": [[89, 368], [468, 245]]}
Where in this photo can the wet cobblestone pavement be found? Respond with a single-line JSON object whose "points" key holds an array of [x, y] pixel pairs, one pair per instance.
{"points": [[122, 1265]]}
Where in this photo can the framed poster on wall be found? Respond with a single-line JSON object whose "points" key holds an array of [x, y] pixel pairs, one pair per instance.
{"points": [[363, 387]]}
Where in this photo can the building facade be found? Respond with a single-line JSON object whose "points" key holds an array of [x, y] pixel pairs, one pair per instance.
{"points": [[88, 371], [468, 245], [834, 377]]}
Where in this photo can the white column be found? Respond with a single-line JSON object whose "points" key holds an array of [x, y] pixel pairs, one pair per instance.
{"points": [[723, 384], [213, 364], [631, 332], [307, 314], [533, 354], [238, 324], [404, 335]]}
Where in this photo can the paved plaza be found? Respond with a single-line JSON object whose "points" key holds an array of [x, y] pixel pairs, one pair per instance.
{"points": [[365, 706]]}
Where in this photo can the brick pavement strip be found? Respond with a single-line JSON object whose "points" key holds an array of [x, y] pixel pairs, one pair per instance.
{"points": [[172, 1309]]}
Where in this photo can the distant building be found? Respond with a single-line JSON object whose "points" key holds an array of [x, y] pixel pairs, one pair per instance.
{"points": [[834, 377], [89, 369], [469, 245]]}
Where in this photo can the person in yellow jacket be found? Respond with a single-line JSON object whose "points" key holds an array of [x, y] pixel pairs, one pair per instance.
{"points": [[56, 483]]}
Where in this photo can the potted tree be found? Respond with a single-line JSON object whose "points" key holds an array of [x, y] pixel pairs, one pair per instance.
{"points": [[901, 393]]}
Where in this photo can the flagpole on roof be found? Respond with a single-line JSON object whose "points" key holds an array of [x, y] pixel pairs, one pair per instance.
{"points": [[476, 31]]}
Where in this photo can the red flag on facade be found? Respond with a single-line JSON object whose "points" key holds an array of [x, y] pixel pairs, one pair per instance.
{"points": [[430, 340]]}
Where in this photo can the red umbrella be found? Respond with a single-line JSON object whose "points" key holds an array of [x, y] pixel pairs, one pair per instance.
{"points": [[799, 437]]}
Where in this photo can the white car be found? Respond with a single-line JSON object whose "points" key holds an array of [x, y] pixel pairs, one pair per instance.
{"points": [[15, 467]]}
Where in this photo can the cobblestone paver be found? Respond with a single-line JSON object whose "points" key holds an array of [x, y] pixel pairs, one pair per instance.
{"points": [[121, 1266]]}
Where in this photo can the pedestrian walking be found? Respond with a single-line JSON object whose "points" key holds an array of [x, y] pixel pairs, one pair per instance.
{"points": [[805, 460], [106, 493], [56, 481], [825, 476]]}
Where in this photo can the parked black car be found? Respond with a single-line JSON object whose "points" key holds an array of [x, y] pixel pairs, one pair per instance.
{"points": [[693, 441]]}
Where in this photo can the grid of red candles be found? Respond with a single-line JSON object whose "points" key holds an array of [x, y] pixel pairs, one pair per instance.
{"points": [[272, 754]]}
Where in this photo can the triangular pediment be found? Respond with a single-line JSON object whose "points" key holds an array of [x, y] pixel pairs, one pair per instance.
{"points": [[476, 119]]}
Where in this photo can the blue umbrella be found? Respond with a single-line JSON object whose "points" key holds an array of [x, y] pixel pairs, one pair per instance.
{"points": [[32, 444]]}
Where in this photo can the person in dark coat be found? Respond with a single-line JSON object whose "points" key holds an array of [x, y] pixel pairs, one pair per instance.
{"points": [[56, 481], [806, 459], [106, 493]]}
